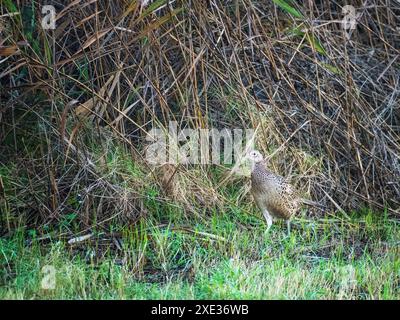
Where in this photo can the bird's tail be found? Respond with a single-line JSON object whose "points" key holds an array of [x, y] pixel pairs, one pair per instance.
{"points": [[312, 203]]}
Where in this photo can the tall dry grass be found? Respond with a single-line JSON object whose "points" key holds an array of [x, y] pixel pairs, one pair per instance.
{"points": [[326, 106]]}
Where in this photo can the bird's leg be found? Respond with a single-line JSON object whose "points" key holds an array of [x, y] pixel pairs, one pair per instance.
{"points": [[288, 227], [268, 218]]}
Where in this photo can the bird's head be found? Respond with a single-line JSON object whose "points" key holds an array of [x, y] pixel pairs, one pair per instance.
{"points": [[254, 156]]}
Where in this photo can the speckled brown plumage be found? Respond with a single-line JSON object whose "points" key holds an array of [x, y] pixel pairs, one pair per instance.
{"points": [[273, 193]]}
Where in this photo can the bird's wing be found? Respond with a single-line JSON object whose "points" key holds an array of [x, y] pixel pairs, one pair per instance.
{"points": [[286, 189], [282, 202]]}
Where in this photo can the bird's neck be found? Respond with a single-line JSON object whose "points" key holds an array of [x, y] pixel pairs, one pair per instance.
{"points": [[259, 168]]}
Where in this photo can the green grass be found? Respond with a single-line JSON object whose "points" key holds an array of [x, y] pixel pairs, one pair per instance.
{"points": [[322, 259], [222, 254]]}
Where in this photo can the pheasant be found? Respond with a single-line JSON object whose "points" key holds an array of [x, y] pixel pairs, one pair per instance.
{"points": [[272, 193]]}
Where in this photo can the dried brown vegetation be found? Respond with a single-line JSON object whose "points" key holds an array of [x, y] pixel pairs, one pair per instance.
{"points": [[327, 106]]}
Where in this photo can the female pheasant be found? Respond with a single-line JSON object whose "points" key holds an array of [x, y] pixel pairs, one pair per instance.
{"points": [[272, 193]]}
